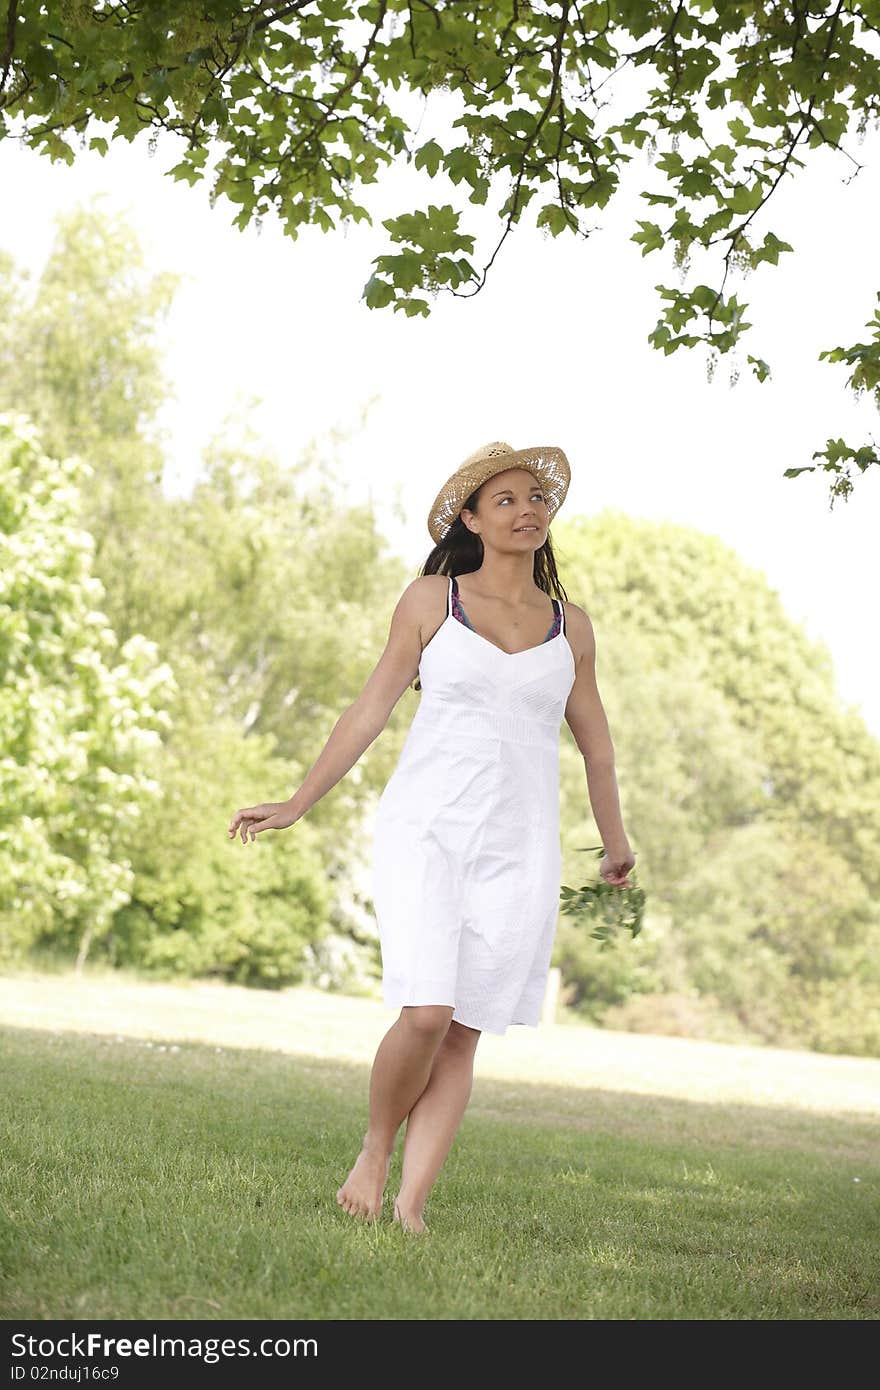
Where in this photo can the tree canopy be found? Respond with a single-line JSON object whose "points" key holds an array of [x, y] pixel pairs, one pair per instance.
{"points": [[287, 108]]}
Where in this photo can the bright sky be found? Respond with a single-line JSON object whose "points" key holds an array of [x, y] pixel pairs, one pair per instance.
{"points": [[552, 350]]}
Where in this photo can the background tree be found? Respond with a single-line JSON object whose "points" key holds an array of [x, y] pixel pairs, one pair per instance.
{"points": [[80, 721], [240, 587], [750, 793], [81, 353], [289, 107]]}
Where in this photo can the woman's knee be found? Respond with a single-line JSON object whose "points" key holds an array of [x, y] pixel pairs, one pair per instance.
{"points": [[427, 1020], [462, 1037]]}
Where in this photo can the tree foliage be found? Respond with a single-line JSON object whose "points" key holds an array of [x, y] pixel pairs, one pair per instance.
{"points": [[80, 717], [81, 354], [750, 793], [239, 588], [290, 107]]}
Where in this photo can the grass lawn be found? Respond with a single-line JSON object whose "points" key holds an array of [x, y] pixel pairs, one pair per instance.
{"points": [[160, 1160]]}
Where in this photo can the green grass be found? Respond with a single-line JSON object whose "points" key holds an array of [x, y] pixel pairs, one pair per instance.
{"points": [[200, 1183]]}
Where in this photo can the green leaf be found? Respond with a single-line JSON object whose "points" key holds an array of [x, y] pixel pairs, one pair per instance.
{"points": [[771, 249], [650, 238], [667, 198], [761, 368], [554, 217], [429, 156], [185, 170], [377, 293], [745, 198], [412, 307]]}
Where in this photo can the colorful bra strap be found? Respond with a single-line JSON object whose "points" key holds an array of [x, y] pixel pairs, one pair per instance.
{"points": [[454, 609]]}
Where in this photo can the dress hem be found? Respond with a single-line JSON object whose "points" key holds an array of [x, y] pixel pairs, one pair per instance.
{"points": [[495, 1028]]}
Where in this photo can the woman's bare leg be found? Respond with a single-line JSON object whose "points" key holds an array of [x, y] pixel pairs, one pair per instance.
{"points": [[400, 1073], [433, 1122]]}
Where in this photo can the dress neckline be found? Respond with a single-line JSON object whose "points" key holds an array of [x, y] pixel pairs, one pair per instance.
{"points": [[547, 642]]}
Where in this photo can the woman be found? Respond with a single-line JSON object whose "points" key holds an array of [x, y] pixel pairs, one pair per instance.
{"points": [[466, 849]]}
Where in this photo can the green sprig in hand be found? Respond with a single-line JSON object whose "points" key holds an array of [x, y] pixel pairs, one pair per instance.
{"points": [[613, 904]]}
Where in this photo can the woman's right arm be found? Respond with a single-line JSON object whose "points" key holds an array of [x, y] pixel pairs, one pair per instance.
{"points": [[363, 721], [359, 724]]}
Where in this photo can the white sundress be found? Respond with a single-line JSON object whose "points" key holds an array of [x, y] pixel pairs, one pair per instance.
{"points": [[466, 849]]}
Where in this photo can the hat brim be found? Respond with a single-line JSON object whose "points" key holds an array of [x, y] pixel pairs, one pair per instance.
{"points": [[546, 461]]}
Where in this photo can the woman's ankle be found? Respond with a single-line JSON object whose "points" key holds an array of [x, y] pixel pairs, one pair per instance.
{"points": [[411, 1198], [378, 1145]]}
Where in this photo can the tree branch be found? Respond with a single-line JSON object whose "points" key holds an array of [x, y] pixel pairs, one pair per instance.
{"points": [[554, 87]]}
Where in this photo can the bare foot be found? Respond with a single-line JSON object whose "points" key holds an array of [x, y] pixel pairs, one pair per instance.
{"points": [[410, 1217], [361, 1193]]}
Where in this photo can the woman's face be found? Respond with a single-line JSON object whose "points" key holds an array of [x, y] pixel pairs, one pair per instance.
{"points": [[512, 513]]}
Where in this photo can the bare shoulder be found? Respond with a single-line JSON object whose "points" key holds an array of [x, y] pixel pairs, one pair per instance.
{"points": [[433, 596], [417, 614], [579, 631], [424, 602], [433, 583], [424, 589]]}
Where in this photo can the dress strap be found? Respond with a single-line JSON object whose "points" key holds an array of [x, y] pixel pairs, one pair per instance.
{"points": [[449, 596], [561, 611]]}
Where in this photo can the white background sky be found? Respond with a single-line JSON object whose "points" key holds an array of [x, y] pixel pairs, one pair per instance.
{"points": [[552, 350]]}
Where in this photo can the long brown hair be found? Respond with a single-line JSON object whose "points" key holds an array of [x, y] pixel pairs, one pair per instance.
{"points": [[461, 552]]}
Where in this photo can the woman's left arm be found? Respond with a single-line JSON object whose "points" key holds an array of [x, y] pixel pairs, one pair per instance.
{"points": [[586, 718]]}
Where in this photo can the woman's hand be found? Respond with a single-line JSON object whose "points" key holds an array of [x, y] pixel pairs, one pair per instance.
{"points": [[614, 868], [270, 815]]}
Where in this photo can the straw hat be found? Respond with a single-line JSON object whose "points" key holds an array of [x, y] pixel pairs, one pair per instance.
{"points": [[548, 463]]}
